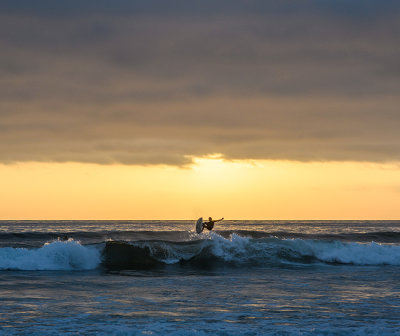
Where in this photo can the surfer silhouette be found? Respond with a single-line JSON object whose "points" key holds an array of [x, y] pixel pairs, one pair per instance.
{"points": [[210, 224]]}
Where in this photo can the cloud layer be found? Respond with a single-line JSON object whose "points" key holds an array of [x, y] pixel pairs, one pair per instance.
{"points": [[157, 84]]}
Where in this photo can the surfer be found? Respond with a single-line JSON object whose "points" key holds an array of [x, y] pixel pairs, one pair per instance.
{"points": [[210, 224]]}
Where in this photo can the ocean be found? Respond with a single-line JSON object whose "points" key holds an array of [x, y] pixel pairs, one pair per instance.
{"points": [[161, 278]]}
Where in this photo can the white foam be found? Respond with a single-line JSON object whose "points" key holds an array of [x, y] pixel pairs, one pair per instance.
{"points": [[235, 248], [57, 255], [242, 249], [350, 253]]}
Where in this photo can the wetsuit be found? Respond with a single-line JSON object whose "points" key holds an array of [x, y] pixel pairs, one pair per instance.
{"points": [[209, 225]]}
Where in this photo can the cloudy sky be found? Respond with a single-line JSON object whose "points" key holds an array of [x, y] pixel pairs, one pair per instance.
{"points": [[144, 83]]}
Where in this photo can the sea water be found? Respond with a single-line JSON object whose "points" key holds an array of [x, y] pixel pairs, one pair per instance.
{"points": [[161, 278]]}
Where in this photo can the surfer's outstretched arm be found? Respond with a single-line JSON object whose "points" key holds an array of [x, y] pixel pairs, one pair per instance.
{"points": [[218, 220]]}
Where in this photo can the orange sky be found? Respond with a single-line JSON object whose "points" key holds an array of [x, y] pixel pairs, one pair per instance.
{"points": [[212, 187]]}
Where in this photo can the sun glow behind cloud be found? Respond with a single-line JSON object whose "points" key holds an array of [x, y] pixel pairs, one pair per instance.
{"points": [[212, 186], [138, 94]]}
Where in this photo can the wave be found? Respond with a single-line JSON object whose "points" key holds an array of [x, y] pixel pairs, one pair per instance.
{"points": [[211, 250], [56, 255], [244, 251]]}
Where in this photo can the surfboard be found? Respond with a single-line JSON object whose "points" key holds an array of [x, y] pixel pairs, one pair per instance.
{"points": [[199, 225]]}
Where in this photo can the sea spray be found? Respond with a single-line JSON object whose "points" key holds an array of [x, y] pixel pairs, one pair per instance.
{"points": [[56, 255]]}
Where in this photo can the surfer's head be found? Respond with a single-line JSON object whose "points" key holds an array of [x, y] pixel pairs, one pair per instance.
{"points": [[209, 218]]}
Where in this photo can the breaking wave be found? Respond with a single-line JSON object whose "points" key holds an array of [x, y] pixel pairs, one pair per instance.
{"points": [[56, 255], [243, 251], [213, 250]]}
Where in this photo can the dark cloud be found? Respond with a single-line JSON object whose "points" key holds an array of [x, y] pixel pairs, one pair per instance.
{"points": [[147, 83]]}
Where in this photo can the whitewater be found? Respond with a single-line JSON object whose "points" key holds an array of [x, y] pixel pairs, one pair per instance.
{"points": [[161, 278]]}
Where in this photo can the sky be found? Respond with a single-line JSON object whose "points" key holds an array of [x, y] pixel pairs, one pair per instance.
{"points": [[181, 109]]}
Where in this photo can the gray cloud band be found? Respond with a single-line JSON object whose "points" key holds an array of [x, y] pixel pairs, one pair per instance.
{"points": [[161, 87]]}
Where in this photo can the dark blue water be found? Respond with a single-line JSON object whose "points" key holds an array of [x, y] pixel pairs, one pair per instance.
{"points": [[160, 278]]}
